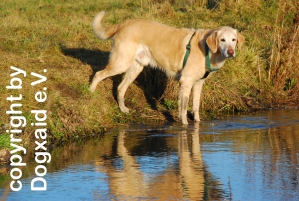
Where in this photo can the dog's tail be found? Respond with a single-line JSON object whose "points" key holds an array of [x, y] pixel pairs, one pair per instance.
{"points": [[101, 32]]}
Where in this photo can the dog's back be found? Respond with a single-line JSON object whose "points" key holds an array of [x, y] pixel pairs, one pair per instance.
{"points": [[130, 36]]}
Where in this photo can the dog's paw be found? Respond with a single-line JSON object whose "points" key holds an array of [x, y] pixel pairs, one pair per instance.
{"points": [[125, 109], [92, 89], [196, 117], [184, 121]]}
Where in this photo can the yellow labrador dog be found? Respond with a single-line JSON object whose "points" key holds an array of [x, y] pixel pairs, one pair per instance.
{"points": [[187, 55]]}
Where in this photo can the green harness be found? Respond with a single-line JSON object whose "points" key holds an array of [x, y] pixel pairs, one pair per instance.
{"points": [[208, 63]]}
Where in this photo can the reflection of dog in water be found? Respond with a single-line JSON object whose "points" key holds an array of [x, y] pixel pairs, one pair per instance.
{"points": [[139, 43], [184, 181]]}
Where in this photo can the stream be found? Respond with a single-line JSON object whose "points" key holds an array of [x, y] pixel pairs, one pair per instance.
{"points": [[242, 157]]}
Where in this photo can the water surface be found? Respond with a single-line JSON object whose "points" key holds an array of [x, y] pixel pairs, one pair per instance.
{"points": [[249, 157]]}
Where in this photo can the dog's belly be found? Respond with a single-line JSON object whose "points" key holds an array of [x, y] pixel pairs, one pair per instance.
{"points": [[144, 57]]}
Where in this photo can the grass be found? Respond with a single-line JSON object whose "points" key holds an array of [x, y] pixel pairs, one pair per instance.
{"points": [[57, 36], [5, 141]]}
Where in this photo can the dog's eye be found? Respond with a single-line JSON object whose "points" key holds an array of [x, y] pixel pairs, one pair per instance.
{"points": [[222, 40], [234, 40]]}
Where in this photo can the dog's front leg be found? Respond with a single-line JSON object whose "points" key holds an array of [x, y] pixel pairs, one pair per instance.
{"points": [[197, 88], [184, 94]]}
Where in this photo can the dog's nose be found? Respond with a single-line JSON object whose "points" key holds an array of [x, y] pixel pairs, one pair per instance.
{"points": [[230, 52]]}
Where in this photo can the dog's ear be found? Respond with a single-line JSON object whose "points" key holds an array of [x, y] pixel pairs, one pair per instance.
{"points": [[212, 41], [240, 40]]}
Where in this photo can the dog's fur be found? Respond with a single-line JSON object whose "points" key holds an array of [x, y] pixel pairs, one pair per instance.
{"points": [[139, 43]]}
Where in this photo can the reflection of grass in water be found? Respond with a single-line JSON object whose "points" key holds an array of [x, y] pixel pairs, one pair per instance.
{"points": [[4, 178], [212, 188]]}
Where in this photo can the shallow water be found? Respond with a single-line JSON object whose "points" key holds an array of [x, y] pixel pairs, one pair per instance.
{"points": [[250, 157]]}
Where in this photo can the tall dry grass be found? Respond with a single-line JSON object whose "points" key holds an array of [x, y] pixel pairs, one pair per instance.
{"points": [[283, 73]]}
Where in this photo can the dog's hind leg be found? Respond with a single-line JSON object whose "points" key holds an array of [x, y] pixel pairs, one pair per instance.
{"points": [[196, 90], [129, 77], [101, 75], [118, 64]]}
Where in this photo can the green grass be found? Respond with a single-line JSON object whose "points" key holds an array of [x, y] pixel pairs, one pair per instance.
{"points": [[4, 140], [57, 35]]}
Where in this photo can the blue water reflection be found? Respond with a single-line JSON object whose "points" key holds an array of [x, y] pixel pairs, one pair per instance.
{"points": [[250, 157], [76, 182]]}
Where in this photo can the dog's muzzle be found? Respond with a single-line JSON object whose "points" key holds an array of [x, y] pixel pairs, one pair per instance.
{"points": [[230, 52]]}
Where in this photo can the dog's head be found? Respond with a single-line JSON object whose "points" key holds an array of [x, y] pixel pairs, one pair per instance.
{"points": [[225, 39]]}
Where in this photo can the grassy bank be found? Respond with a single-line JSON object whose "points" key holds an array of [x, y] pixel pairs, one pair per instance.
{"points": [[57, 36]]}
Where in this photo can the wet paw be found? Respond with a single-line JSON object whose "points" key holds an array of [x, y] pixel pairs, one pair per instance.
{"points": [[184, 121], [196, 118]]}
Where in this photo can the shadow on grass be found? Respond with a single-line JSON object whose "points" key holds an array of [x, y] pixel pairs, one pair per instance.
{"points": [[96, 59], [153, 82]]}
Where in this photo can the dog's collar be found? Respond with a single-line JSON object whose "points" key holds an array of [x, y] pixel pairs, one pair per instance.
{"points": [[208, 63]]}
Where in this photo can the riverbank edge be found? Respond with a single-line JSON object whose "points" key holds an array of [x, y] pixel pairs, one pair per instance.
{"points": [[80, 136]]}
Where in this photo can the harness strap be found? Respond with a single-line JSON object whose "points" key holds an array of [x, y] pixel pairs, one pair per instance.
{"points": [[208, 63], [188, 48]]}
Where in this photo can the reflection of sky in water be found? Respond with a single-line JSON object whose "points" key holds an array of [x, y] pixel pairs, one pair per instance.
{"points": [[77, 182], [230, 170], [245, 123], [251, 176]]}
